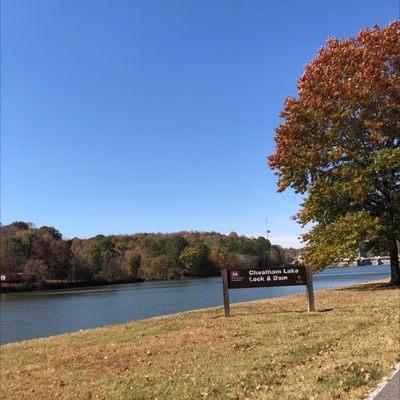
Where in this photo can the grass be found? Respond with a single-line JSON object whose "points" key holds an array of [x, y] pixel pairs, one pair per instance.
{"points": [[269, 349]]}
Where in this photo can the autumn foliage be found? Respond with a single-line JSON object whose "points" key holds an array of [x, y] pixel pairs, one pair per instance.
{"points": [[33, 257], [339, 145]]}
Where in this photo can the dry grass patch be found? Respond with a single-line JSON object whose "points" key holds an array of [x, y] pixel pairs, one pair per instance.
{"points": [[270, 349]]}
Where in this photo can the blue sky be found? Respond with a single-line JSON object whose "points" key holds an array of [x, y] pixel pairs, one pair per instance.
{"points": [[132, 116]]}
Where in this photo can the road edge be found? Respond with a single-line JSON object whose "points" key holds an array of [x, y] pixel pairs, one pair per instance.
{"points": [[383, 384]]}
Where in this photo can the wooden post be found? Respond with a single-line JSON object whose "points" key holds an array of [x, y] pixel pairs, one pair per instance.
{"points": [[310, 289], [225, 289]]}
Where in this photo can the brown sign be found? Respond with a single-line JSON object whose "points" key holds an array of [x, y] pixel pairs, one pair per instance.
{"points": [[265, 277]]}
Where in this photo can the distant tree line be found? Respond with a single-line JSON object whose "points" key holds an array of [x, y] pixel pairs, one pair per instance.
{"points": [[29, 254]]}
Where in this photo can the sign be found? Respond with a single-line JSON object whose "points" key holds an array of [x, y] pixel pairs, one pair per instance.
{"points": [[267, 277], [264, 277]]}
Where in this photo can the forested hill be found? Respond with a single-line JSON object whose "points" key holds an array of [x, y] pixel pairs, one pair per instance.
{"points": [[30, 254]]}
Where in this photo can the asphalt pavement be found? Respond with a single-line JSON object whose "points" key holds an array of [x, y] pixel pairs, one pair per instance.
{"points": [[391, 391]]}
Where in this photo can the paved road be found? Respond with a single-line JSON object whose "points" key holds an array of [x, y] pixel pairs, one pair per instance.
{"points": [[392, 389]]}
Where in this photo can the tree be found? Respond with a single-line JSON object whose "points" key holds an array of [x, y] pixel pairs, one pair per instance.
{"points": [[80, 265], [339, 145], [34, 270], [28, 253], [39, 244], [11, 229], [247, 261], [195, 260], [59, 260], [159, 267], [102, 251], [154, 247], [132, 261], [49, 231], [14, 253], [174, 246], [113, 269], [275, 256], [223, 259]]}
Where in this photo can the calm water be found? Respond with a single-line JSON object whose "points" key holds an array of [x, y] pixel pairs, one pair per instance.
{"points": [[36, 314]]}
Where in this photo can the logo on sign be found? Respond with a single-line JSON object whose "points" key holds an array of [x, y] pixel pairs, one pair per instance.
{"points": [[235, 276]]}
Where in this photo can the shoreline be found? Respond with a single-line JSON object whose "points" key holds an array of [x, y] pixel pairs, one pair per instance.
{"points": [[43, 286], [267, 346], [76, 285], [39, 287]]}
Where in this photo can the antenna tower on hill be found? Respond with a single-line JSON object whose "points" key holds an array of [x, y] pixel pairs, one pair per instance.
{"points": [[267, 231]]}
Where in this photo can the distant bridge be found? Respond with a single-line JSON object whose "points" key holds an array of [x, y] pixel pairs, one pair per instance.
{"points": [[377, 260], [359, 261]]}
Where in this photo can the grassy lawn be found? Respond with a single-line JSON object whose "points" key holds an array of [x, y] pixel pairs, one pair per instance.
{"points": [[269, 349]]}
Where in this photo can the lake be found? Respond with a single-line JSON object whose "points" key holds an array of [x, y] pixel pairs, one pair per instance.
{"points": [[29, 315]]}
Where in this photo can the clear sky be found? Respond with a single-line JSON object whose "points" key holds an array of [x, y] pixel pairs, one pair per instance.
{"points": [[131, 116]]}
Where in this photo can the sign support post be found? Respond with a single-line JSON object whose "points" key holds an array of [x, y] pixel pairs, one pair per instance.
{"points": [[310, 289], [225, 289]]}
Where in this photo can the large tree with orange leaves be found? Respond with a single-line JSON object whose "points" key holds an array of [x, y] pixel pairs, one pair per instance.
{"points": [[339, 145]]}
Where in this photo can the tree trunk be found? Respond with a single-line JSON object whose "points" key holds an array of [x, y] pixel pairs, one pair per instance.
{"points": [[394, 265]]}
